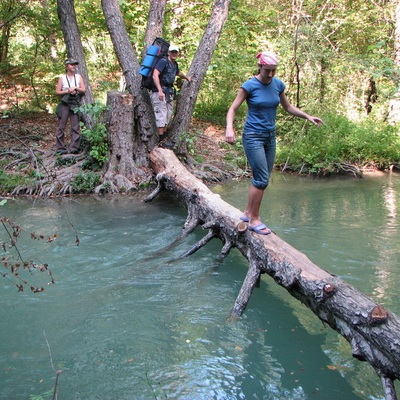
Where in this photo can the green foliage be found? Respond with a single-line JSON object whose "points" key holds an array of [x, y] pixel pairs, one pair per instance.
{"points": [[8, 182], [64, 161], [96, 136], [235, 155], [28, 49], [85, 183], [339, 141], [189, 141], [212, 110]]}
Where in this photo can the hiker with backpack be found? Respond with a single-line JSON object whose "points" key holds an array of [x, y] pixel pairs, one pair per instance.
{"points": [[162, 92]]}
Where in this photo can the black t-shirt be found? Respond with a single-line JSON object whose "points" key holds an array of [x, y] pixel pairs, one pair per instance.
{"points": [[168, 71]]}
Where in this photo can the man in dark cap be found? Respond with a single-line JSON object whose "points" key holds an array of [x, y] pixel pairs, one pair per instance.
{"points": [[71, 87]]}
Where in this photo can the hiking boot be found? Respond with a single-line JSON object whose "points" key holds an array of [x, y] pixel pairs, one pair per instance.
{"points": [[61, 152], [166, 145]]}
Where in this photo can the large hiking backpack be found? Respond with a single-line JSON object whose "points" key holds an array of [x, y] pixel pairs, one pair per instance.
{"points": [[158, 50]]}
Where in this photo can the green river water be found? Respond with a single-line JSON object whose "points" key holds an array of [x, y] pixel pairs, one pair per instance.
{"points": [[123, 321]]}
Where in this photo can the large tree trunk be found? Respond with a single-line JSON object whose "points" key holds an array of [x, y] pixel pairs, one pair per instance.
{"points": [[155, 22], [73, 43], [372, 331], [144, 128], [12, 12], [121, 173], [198, 70]]}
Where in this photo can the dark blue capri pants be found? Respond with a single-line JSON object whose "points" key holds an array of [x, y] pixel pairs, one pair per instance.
{"points": [[260, 149]]}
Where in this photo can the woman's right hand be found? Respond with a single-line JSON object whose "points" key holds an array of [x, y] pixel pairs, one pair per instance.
{"points": [[161, 95], [230, 136]]}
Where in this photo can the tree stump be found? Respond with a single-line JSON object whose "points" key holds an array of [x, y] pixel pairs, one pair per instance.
{"points": [[121, 171]]}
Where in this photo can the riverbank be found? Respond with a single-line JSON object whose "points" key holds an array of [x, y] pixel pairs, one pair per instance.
{"points": [[34, 133]]}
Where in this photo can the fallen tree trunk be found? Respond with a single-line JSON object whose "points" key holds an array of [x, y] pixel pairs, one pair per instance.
{"points": [[372, 331]]}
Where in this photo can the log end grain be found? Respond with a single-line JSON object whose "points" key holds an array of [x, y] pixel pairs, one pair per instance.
{"points": [[378, 315], [241, 227]]}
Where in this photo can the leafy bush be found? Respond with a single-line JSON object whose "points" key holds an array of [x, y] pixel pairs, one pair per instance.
{"points": [[96, 136], [85, 183], [339, 141], [8, 182]]}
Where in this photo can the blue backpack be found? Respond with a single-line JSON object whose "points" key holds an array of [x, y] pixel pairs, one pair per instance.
{"points": [[158, 50]]}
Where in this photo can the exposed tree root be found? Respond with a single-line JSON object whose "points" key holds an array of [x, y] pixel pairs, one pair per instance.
{"points": [[349, 168], [250, 282], [210, 235], [157, 190], [52, 180]]}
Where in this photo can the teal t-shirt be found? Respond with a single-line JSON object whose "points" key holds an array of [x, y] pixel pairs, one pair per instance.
{"points": [[262, 101]]}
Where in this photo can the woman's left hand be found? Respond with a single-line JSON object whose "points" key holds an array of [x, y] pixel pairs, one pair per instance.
{"points": [[315, 120]]}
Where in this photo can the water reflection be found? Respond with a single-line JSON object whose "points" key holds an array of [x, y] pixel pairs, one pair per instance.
{"points": [[387, 253], [125, 322]]}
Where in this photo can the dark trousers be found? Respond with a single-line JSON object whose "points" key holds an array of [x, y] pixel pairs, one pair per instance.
{"points": [[66, 113]]}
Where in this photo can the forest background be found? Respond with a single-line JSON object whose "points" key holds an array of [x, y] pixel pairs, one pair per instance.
{"points": [[339, 60]]}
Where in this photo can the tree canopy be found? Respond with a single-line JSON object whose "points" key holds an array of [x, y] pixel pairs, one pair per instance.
{"points": [[328, 50]]}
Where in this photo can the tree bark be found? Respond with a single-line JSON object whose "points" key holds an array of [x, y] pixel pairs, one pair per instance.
{"points": [[372, 331], [155, 23], [198, 70], [121, 173], [144, 127]]}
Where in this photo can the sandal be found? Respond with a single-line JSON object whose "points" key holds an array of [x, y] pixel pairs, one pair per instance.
{"points": [[260, 228]]}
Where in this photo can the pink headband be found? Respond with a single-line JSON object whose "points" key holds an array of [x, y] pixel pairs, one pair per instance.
{"points": [[267, 58]]}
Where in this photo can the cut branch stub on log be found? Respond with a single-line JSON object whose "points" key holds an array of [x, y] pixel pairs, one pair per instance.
{"points": [[372, 331]]}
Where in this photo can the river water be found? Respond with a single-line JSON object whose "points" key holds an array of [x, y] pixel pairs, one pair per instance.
{"points": [[125, 321]]}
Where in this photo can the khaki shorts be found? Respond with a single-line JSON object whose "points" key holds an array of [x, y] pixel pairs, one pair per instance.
{"points": [[162, 110]]}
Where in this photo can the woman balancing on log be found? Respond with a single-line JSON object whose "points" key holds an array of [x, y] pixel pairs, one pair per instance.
{"points": [[263, 93]]}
